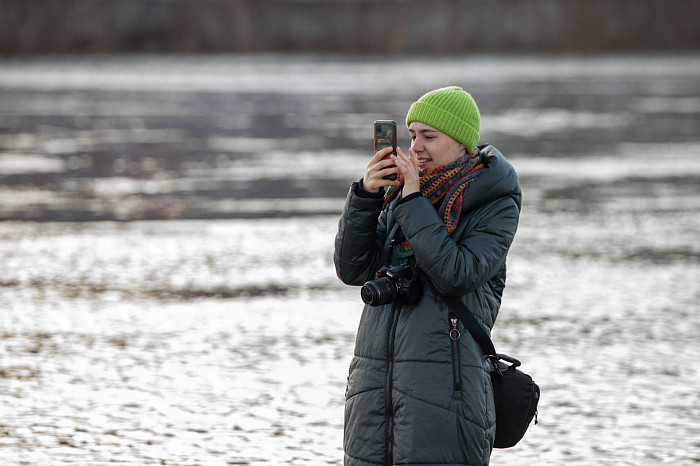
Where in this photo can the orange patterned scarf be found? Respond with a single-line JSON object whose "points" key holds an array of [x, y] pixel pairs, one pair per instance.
{"points": [[443, 187]]}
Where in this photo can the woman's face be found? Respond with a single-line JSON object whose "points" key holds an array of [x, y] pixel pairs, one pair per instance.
{"points": [[433, 147]]}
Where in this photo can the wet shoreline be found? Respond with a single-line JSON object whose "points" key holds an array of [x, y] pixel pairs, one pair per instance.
{"points": [[95, 375]]}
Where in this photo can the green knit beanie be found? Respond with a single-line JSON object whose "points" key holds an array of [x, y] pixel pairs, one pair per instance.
{"points": [[452, 111]]}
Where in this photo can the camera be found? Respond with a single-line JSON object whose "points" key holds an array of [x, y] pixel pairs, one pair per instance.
{"points": [[392, 284]]}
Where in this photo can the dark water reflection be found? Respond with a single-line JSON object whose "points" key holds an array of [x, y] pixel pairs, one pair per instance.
{"points": [[207, 335], [161, 138]]}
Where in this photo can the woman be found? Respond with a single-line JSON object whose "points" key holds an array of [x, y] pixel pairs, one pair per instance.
{"points": [[418, 392]]}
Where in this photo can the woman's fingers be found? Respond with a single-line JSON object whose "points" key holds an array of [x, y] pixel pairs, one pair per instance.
{"points": [[380, 154], [378, 168], [409, 169], [414, 159], [406, 165]]}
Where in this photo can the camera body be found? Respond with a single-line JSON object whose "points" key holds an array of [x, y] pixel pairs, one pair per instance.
{"points": [[397, 284]]}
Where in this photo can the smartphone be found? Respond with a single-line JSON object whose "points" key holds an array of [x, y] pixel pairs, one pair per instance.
{"points": [[385, 136]]}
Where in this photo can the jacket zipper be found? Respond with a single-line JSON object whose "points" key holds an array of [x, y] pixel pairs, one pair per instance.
{"points": [[454, 342], [389, 460]]}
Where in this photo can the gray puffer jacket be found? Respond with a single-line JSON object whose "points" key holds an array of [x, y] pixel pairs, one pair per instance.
{"points": [[414, 395]]}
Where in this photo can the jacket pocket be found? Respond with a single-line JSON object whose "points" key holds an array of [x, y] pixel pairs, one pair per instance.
{"points": [[455, 335]]}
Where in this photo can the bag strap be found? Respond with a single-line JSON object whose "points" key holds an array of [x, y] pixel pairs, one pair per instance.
{"points": [[478, 333], [471, 324]]}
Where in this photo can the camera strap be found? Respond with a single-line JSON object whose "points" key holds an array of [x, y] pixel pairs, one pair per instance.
{"points": [[388, 243]]}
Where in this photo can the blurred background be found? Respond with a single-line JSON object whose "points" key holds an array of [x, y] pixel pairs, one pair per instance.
{"points": [[172, 173]]}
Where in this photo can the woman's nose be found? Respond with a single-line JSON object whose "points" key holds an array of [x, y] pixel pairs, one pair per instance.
{"points": [[416, 146]]}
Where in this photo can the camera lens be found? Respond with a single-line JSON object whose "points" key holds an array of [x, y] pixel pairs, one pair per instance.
{"points": [[378, 292], [367, 293]]}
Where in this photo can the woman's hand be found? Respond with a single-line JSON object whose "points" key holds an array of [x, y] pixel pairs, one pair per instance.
{"points": [[408, 167], [377, 169]]}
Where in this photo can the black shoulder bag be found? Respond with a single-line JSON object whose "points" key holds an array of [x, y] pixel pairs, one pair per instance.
{"points": [[515, 393]]}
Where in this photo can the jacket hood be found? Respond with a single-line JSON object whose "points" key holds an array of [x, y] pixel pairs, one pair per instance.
{"points": [[499, 179]]}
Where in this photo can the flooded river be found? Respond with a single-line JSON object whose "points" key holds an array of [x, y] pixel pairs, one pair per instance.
{"points": [[167, 291]]}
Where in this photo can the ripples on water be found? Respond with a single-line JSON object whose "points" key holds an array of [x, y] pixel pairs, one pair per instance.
{"points": [[209, 336]]}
